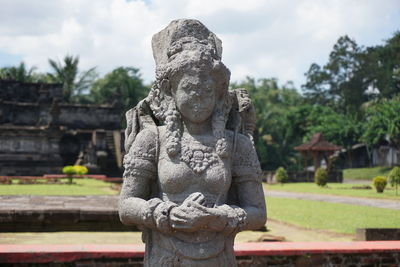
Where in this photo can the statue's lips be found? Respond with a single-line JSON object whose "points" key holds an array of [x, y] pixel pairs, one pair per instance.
{"points": [[199, 109]]}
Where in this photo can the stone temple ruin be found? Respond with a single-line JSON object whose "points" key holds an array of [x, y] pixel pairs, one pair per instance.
{"points": [[39, 134]]}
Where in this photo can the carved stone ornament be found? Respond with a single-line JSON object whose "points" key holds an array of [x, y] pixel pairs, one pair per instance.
{"points": [[192, 177]]}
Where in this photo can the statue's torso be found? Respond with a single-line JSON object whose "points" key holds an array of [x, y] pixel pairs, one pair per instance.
{"points": [[177, 180]]}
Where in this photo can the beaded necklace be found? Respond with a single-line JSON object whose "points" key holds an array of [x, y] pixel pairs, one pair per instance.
{"points": [[198, 156]]}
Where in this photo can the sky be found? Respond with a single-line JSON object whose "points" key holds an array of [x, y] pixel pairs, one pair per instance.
{"points": [[261, 39]]}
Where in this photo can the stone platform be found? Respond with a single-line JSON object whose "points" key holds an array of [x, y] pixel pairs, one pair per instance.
{"points": [[60, 213]]}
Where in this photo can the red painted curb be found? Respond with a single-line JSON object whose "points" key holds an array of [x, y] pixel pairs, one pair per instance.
{"points": [[299, 248], [69, 253], [66, 253]]}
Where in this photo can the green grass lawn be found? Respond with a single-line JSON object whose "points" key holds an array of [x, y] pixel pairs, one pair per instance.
{"points": [[80, 187], [341, 218], [335, 189], [365, 173]]}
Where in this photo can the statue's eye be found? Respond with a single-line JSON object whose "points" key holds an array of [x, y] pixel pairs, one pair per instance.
{"points": [[208, 90]]}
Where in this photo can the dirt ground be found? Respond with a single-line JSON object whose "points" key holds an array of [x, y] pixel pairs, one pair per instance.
{"points": [[276, 230]]}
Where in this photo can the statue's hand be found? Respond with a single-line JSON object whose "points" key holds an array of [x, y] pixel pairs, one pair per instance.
{"points": [[191, 215]]}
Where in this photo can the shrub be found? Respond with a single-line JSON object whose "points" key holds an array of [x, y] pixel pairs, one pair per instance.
{"points": [[68, 170], [281, 175], [394, 177], [80, 170], [73, 170], [380, 183], [321, 177]]}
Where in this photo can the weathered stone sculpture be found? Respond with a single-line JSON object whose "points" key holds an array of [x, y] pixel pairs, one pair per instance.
{"points": [[192, 177]]}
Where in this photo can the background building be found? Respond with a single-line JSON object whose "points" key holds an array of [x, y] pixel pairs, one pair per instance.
{"points": [[39, 134]]}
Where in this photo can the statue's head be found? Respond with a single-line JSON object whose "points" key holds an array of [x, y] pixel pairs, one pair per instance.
{"points": [[191, 81]]}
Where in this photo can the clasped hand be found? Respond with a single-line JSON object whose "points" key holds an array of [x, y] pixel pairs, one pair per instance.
{"points": [[192, 215]]}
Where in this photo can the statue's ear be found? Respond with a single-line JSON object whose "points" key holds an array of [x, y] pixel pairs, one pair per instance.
{"points": [[166, 87]]}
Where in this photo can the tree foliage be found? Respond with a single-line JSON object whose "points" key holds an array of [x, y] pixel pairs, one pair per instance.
{"points": [[20, 73], [382, 67], [354, 75], [123, 84], [75, 83], [382, 122], [272, 103], [394, 177], [281, 175], [338, 84]]}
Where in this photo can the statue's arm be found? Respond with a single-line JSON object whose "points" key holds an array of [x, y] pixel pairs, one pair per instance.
{"points": [[133, 198], [251, 199], [249, 206], [247, 213], [136, 207]]}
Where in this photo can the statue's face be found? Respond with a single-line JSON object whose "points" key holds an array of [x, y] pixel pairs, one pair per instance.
{"points": [[195, 95]]}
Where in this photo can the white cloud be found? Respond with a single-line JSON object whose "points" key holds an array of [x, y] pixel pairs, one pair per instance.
{"points": [[275, 38]]}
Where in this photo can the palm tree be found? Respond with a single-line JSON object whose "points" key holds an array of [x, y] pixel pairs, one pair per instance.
{"points": [[19, 73], [67, 73]]}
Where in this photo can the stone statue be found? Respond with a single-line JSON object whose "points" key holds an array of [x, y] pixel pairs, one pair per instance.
{"points": [[192, 177]]}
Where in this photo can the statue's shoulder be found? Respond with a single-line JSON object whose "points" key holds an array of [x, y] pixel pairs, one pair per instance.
{"points": [[243, 142], [145, 143], [240, 142], [245, 164], [147, 134]]}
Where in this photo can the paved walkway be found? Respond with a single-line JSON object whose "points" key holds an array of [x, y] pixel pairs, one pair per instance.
{"points": [[377, 203]]}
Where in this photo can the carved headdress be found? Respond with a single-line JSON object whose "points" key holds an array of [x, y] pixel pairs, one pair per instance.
{"points": [[184, 41], [184, 34]]}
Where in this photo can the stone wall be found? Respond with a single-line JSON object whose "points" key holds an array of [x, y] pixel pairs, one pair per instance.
{"points": [[325, 259], [29, 151], [90, 117], [29, 92], [272, 254], [72, 116], [369, 234]]}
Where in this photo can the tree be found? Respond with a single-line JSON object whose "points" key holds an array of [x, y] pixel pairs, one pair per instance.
{"points": [[317, 87], [382, 67], [340, 83], [123, 84], [20, 73], [382, 122], [339, 129], [355, 75], [75, 83], [272, 102], [394, 177]]}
